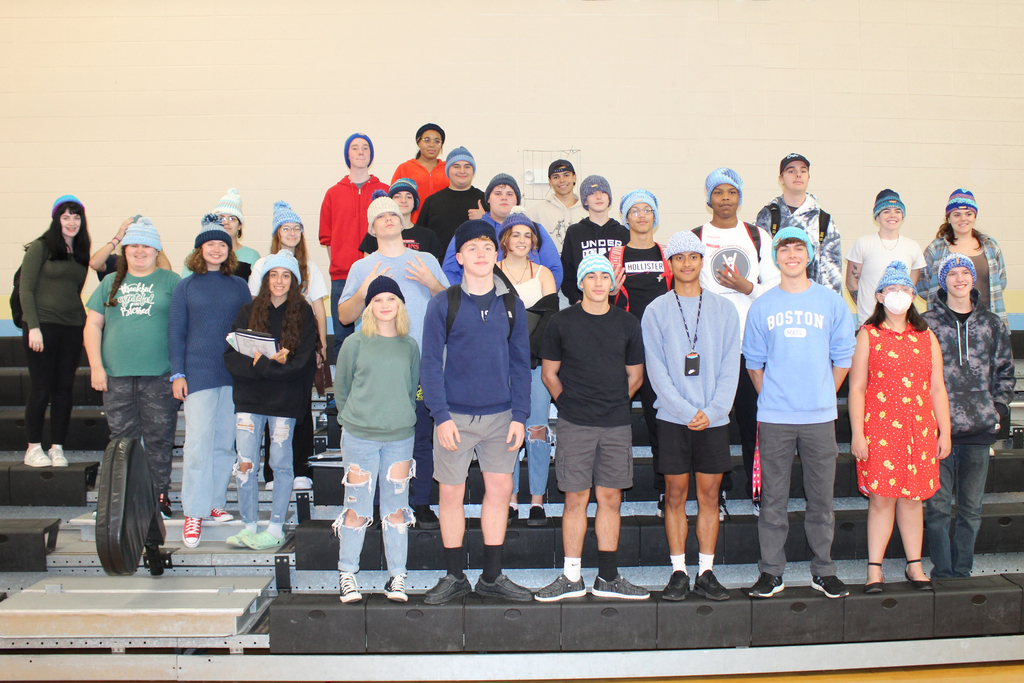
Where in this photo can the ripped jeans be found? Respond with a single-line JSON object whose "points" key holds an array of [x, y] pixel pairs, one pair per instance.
{"points": [[248, 434], [363, 457]]}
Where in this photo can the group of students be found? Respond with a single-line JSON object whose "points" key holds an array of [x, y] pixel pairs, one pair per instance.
{"points": [[452, 342]]}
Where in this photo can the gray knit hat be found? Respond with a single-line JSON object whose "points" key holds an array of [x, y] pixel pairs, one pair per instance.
{"points": [[592, 184]]}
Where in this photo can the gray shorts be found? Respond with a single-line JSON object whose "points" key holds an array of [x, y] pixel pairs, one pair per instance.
{"points": [[593, 456], [483, 435]]}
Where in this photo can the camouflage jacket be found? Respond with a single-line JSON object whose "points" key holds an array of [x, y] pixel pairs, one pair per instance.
{"points": [[826, 268], [977, 364]]}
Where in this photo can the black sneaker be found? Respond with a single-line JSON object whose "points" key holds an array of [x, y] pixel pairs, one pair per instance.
{"points": [[513, 514], [446, 589], [831, 586], [757, 508], [766, 586], [707, 585], [537, 516], [723, 510], [661, 505], [425, 517], [678, 587], [503, 587], [619, 588], [394, 589], [561, 588], [164, 504]]}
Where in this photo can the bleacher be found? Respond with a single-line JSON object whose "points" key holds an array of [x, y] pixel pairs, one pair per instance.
{"points": [[285, 601]]}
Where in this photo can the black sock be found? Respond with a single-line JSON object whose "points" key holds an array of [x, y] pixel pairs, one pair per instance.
{"points": [[454, 560], [608, 564], [492, 562]]}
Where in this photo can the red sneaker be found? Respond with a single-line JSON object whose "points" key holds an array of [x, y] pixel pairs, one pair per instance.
{"points": [[192, 532], [220, 515]]}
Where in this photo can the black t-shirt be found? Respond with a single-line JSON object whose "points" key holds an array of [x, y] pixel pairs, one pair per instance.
{"points": [[416, 238], [594, 351], [962, 317], [484, 301], [645, 279], [447, 209]]}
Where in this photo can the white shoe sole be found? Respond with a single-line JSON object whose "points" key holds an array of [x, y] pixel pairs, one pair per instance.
{"points": [[351, 597], [562, 596], [39, 463], [191, 544], [397, 597], [619, 596], [827, 594], [775, 591]]}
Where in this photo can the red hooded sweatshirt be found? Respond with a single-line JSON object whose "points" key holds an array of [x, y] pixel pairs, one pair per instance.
{"points": [[343, 222]]}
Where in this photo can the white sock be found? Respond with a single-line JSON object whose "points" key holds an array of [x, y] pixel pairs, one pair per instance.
{"points": [[704, 562], [572, 568], [678, 563], [251, 527], [276, 530]]}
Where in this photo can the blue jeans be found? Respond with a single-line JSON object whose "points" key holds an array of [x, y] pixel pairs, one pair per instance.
{"points": [[248, 436], [538, 451], [340, 331], [964, 470], [372, 458], [209, 450]]}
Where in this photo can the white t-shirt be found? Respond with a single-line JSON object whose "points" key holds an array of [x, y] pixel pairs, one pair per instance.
{"points": [[874, 255], [733, 247], [316, 288]]}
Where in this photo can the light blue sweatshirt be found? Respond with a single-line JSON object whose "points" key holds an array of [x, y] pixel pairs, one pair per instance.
{"points": [[797, 339], [665, 347]]}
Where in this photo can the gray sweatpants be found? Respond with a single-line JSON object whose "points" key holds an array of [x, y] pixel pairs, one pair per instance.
{"points": [[818, 453], [145, 406]]}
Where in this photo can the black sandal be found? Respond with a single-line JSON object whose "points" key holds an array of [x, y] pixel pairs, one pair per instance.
{"points": [[925, 585], [875, 587]]}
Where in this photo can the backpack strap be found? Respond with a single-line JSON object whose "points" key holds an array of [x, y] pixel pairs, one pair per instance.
{"points": [[773, 209], [823, 221], [755, 237], [667, 269], [615, 257], [455, 301], [510, 311], [699, 232]]}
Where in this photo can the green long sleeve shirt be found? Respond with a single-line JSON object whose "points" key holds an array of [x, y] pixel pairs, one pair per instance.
{"points": [[51, 291]]}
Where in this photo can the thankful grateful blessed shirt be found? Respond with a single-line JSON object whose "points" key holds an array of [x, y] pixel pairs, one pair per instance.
{"points": [[135, 328]]}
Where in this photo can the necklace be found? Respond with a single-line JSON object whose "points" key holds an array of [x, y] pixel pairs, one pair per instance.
{"points": [[519, 280], [893, 246]]}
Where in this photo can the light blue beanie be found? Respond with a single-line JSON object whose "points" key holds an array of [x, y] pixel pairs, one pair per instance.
{"points": [[789, 233], [631, 199], [456, 155], [594, 263], [895, 274], [955, 261], [142, 232], [723, 176], [683, 242], [283, 214], [283, 259]]}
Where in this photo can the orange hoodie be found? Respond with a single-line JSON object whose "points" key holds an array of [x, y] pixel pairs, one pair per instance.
{"points": [[427, 183]]}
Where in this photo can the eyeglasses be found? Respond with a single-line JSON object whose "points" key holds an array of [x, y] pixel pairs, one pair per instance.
{"points": [[227, 218], [290, 230], [636, 213]]}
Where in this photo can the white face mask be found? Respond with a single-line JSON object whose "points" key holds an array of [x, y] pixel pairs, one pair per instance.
{"points": [[897, 303]]}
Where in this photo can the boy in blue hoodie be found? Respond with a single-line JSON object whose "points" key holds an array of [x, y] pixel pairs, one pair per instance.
{"points": [[798, 344], [475, 374]]}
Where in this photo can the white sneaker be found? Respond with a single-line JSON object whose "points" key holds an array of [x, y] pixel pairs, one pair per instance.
{"points": [[35, 457], [302, 484], [269, 486], [57, 456]]}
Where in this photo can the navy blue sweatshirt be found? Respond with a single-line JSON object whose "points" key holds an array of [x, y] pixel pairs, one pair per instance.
{"points": [[480, 371]]}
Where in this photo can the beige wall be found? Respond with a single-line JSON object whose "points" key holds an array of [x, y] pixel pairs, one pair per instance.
{"points": [[159, 107]]}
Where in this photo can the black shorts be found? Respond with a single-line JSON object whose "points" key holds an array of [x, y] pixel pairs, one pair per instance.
{"points": [[682, 450]]}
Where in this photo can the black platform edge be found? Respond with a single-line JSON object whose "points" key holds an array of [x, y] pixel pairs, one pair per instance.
{"points": [[319, 623]]}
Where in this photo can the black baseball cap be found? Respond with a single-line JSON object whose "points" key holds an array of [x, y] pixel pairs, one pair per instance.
{"points": [[790, 158], [560, 165]]}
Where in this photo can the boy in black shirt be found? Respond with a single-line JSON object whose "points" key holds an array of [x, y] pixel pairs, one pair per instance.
{"points": [[595, 441], [596, 234], [447, 209]]}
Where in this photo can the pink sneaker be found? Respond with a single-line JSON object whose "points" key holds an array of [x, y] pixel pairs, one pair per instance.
{"points": [[220, 515], [192, 532]]}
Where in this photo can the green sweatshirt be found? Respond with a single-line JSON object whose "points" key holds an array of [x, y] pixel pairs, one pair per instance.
{"points": [[375, 386], [51, 291]]}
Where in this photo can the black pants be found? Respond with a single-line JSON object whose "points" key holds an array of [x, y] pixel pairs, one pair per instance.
{"points": [[302, 446], [744, 414], [53, 378], [647, 399]]}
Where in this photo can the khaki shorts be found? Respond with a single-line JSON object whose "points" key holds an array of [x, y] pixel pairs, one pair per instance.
{"points": [[482, 435], [593, 456]]}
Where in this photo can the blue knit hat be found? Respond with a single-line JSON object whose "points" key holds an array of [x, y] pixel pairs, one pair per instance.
{"points": [[283, 259], [230, 205], [722, 176], [683, 242], [406, 185], [456, 155], [592, 184], [379, 285], [142, 232], [961, 199], [594, 263], [631, 199], [789, 233], [888, 199], [471, 230], [283, 214], [212, 230], [65, 199], [895, 274], [348, 143], [519, 218], [503, 179], [955, 261]]}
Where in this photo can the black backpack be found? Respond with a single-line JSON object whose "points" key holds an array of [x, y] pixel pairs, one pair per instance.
{"points": [[455, 301], [823, 219], [752, 231], [17, 314]]}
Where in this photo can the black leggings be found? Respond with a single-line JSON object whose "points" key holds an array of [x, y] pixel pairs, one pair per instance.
{"points": [[53, 378]]}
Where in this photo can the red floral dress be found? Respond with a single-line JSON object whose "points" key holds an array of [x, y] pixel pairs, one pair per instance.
{"points": [[899, 423]]}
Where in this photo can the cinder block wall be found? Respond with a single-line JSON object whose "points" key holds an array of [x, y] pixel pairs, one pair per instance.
{"points": [[158, 108]]}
